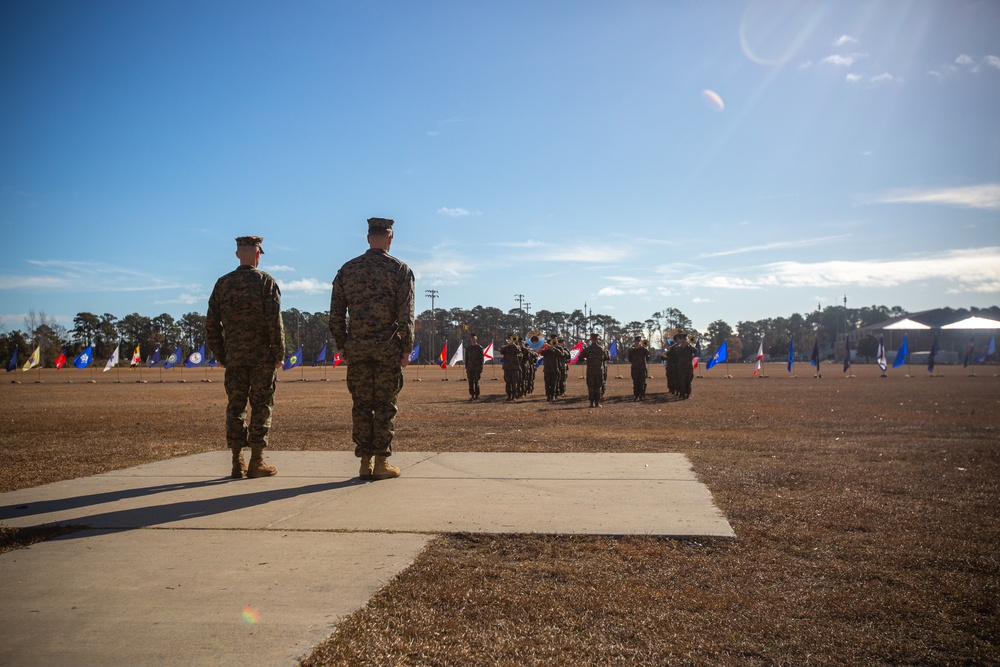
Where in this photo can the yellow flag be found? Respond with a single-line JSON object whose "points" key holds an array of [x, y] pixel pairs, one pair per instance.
{"points": [[33, 360]]}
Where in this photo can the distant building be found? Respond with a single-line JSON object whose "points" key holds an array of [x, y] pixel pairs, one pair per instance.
{"points": [[953, 328]]}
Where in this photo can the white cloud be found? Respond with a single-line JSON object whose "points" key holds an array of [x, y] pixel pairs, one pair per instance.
{"points": [[278, 268], [986, 197], [443, 270], [992, 61], [967, 270], [777, 245], [624, 285], [453, 212], [842, 61], [34, 282], [699, 299], [965, 60], [586, 252], [853, 78], [845, 39], [187, 299], [884, 77], [93, 276], [306, 285]]}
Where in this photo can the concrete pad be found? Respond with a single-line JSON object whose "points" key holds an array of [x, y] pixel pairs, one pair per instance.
{"points": [[176, 551], [188, 597], [608, 494]]}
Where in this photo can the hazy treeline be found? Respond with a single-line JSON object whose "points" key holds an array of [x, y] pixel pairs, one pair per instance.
{"points": [[433, 328]]}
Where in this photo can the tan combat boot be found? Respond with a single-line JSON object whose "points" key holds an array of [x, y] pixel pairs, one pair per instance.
{"points": [[382, 469], [239, 465], [257, 467], [367, 468]]}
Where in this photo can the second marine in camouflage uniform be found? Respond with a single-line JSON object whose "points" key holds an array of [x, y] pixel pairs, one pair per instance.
{"points": [[597, 357], [376, 290], [638, 356], [553, 354], [474, 365], [245, 332], [511, 352]]}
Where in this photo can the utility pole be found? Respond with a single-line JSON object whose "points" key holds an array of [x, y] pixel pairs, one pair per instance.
{"points": [[433, 294], [520, 306]]}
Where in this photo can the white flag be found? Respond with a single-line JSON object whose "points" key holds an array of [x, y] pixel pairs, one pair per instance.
{"points": [[458, 356], [488, 352], [113, 361], [882, 362], [760, 356]]}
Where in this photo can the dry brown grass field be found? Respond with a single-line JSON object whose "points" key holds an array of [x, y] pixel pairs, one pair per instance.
{"points": [[866, 509]]}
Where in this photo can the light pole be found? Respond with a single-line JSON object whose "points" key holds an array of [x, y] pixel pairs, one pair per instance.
{"points": [[520, 306], [433, 294]]}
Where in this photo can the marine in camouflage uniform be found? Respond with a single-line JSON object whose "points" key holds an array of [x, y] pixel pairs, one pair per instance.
{"points": [[680, 366], [553, 355], [511, 352], [245, 332], [376, 291], [597, 358], [638, 356], [563, 368], [474, 365]]}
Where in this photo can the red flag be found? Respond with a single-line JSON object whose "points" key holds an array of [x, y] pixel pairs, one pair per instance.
{"points": [[61, 359], [760, 356], [488, 352], [574, 354], [444, 356], [337, 360]]}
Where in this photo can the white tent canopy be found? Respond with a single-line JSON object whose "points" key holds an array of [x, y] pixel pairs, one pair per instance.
{"points": [[906, 324], [973, 322]]}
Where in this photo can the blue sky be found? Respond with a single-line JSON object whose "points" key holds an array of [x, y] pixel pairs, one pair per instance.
{"points": [[734, 160]]}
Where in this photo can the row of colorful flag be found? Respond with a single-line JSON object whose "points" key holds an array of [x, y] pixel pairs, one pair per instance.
{"points": [[197, 357], [883, 363]]}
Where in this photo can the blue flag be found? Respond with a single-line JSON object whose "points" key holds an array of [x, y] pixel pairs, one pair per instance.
{"points": [[415, 354], [991, 349], [213, 362], [293, 361], [196, 358], [613, 350], [720, 355], [174, 358], [930, 359], [84, 358], [901, 354], [155, 359], [321, 357], [12, 365], [791, 354]]}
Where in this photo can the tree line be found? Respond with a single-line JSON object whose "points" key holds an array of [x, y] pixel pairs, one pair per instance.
{"points": [[436, 327]]}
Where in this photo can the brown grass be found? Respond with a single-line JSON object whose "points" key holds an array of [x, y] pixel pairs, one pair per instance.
{"points": [[867, 514]]}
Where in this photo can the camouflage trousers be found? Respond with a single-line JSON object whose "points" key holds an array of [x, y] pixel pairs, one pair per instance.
{"points": [[595, 386], [512, 381], [253, 384], [474, 375], [639, 382], [374, 383], [551, 383]]}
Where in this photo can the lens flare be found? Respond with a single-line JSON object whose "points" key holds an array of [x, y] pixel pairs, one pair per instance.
{"points": [[251, 615], [773, 32], [712, 100]]}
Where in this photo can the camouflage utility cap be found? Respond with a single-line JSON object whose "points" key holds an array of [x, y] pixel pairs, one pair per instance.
{"points": [[380, 224], [243, 241]]}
